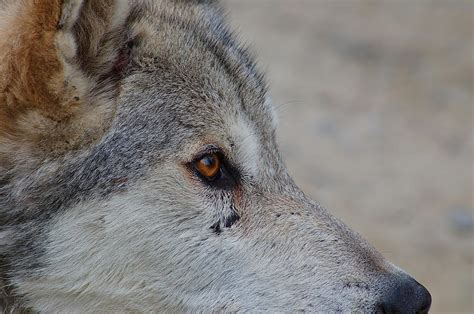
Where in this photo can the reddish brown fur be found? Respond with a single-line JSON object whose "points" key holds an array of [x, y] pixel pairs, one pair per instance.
{"points": [[32, 77], [44, 108], [33, 74]]}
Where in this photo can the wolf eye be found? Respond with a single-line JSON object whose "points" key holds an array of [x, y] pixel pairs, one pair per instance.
{"points": [[209, 166], [214, 170]]}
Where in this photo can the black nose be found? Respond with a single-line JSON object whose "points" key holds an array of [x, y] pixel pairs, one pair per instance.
{"points": [[406, 296]]}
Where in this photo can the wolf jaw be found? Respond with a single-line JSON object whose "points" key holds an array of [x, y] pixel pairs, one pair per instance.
{"points": [[101, 208]]}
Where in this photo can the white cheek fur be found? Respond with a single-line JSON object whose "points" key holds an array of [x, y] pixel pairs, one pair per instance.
{"points": [[246, 145]]}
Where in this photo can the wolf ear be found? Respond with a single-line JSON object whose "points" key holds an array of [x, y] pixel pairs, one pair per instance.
{"points": [[55, 55], [37, 50]]}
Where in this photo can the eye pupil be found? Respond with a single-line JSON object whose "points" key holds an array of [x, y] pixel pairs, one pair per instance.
{"points": [[208, 161]]}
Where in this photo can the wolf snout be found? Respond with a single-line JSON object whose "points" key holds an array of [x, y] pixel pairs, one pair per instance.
{"points": [[405, 295]]}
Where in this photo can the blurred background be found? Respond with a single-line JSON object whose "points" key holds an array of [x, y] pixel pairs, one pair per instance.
{"points": [[375, 100]]}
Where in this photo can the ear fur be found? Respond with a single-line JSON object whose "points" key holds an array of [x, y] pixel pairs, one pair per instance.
{"points": [[34, 54], [50, 65]]}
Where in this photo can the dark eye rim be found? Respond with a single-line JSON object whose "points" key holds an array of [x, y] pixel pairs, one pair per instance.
{"points": [[227, 177]]}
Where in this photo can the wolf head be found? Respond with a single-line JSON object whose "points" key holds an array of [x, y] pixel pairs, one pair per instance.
{"points": [[139, 171]]}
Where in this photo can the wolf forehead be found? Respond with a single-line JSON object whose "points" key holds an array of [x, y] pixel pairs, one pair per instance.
{"points": [[191, 74], [201, 84]]}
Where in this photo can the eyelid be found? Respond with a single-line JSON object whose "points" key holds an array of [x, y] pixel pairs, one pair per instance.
{"points": [[208, 150]]}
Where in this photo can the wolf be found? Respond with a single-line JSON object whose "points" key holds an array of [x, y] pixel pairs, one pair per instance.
{"points": [[139, 172]]}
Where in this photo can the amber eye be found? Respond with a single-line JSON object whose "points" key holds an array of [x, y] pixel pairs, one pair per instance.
{"points": [[209, 166]]}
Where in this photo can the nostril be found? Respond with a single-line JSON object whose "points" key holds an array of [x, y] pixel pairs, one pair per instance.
{"points": [[405, 296], [379, 308]]}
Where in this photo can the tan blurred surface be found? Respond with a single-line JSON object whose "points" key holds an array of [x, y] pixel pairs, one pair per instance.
{"points": [[376, 122]]}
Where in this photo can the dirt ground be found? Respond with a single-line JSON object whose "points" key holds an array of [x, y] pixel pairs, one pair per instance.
{"points": [[376, 122]]}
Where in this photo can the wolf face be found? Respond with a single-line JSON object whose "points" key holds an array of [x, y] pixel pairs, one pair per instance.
{"points": [[140, 172]]}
